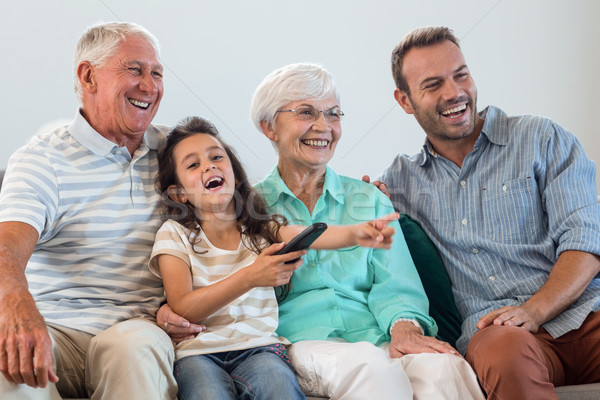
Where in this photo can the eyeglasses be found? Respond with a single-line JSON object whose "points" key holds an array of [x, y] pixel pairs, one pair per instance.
{"points": [[308, 113]]}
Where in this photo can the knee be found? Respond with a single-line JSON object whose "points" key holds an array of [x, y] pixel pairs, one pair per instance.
{"points": [[366, 361], [131, 338], [499, 347]]}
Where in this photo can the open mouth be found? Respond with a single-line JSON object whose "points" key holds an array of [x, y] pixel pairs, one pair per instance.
{"points": [[455, 112], [139, 104], [320, 143], [214, 183]]}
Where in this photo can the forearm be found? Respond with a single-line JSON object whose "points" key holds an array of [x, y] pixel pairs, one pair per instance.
{"points": [[570, 276], [334, 237], [17, 241], [201, 303]]}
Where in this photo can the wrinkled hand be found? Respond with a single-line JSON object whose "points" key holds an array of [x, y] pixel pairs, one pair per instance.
{"points": [[270, 269], [177, 327], [522, 316], [407, 339], [376, 233], [25, 345], [379, 185]]}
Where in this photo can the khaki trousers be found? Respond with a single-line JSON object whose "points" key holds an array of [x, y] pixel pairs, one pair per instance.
{"points": [[131, 360], [514, 364]]}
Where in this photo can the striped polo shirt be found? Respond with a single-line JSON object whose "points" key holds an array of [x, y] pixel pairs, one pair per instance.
{"points": [[96, 211], [247, 322]]}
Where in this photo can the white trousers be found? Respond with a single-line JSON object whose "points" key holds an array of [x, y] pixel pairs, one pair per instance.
{"points": [[131, 360], [348, 371]]}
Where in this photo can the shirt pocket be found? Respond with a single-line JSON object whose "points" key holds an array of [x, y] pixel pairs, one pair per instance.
{"points": [[511, 211]]}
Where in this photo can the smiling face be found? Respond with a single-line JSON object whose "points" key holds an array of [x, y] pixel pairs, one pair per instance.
{"points": [[305, 145], [205, 174], [122, 96], [443, 96]]}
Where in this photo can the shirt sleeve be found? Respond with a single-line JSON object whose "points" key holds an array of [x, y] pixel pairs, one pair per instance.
{"points": [[569, 193], [397, 291], [29, 190], [168, 240]]}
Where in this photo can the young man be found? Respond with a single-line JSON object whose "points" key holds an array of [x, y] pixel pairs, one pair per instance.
{"points": [[510, 202]]}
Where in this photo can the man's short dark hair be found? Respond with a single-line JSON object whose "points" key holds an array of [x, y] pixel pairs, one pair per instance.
{"points": [[420, 37]]}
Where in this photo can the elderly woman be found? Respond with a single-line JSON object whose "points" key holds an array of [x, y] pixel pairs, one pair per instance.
{"points": [[357, 317]]}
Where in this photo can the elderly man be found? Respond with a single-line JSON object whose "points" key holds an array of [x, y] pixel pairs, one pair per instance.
{"points": [[510, 202], [78, 213]]}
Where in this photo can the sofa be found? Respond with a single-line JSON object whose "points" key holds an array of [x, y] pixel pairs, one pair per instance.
{"points": [[442, 306]]}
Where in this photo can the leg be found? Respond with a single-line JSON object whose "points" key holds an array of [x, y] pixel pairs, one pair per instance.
{"points": [[342, 370], [579, 350], [131, 360], [265, 373], [68, 352], [441, 376], [512, 363], [203, 377]]}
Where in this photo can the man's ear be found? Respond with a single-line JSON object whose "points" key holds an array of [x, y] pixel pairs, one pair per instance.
{"points": [[402, 98], [85, 74], [175, 193], [267, 129]]}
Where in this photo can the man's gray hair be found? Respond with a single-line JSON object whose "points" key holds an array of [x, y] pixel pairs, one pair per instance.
{"points": [[100, 42], [300, 81]]}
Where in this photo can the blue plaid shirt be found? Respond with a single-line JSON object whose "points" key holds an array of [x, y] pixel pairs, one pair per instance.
{"points": [[526, 193]]}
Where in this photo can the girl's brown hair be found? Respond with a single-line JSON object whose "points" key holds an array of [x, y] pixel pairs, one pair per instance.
{"points": [[252, 217]]}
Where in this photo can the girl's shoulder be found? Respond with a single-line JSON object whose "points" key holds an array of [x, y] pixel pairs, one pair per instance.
{"points": [[173, 227]]}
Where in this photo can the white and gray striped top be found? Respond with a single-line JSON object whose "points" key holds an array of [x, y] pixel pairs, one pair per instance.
{"points": [[248, 321], [96, 211]]}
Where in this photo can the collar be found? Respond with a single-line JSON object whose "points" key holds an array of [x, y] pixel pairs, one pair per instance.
{"points": [[493, 130], [89, 138], [274, 187]]}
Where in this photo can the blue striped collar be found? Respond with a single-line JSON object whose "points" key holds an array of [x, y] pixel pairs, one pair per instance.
{"points": [[494, 130], [88, 137]]}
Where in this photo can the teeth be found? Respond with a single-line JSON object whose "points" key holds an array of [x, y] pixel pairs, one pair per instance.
{"points": [[139, 103], [216, 180], [317, 143], [455, 109]]}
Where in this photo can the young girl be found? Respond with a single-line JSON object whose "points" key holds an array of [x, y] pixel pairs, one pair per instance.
{"points": [[216, 256]]}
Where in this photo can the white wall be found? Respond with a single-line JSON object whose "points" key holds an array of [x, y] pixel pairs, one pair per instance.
{"points": [[527, 56]]}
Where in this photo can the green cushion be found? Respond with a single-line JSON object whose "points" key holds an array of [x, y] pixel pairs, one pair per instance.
{"points": [[435, 279]]}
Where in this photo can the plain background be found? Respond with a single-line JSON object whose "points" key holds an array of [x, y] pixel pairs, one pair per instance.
{"points": [[527, 57]]}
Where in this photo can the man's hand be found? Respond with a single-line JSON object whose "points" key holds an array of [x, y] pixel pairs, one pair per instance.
{"points": [[25, 345], [177, 327], [522, 316], [379, 185], [407, 339]]}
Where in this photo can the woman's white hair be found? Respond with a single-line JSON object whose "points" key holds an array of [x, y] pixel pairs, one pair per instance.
{"points": [[100, 42], [300, 81]]}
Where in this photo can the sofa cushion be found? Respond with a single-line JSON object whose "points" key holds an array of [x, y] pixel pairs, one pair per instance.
{"points": [[435, 279]]}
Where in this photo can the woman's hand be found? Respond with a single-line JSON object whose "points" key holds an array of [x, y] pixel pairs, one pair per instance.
{"points": [[376, 233], [270, 269], [408, 339]]}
